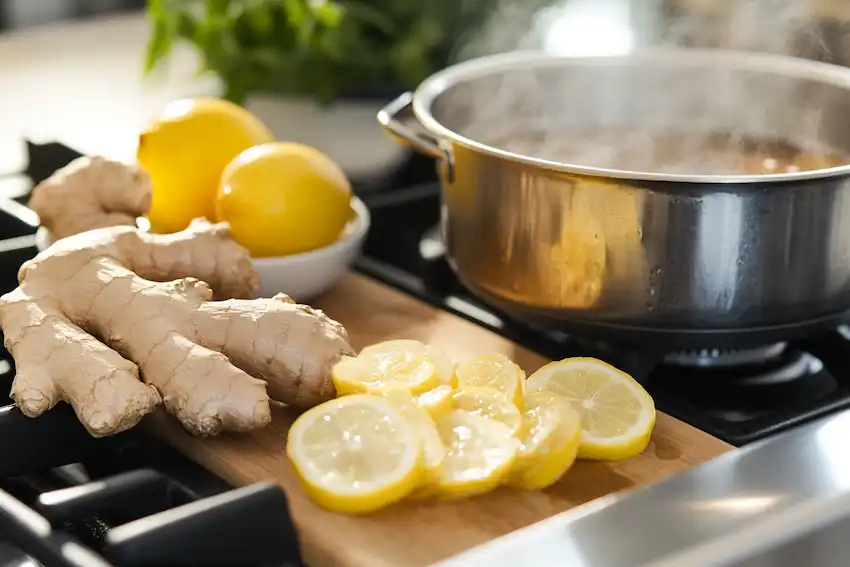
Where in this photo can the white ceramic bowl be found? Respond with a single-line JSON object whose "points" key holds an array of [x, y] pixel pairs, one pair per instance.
{"points": [[301, 276]]}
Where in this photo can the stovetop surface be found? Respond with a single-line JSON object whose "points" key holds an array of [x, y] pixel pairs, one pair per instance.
{"points": [[129, 500]]}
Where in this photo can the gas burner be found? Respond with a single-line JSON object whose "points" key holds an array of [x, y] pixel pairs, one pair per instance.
{"points": [[726, 358], [790, 366]]}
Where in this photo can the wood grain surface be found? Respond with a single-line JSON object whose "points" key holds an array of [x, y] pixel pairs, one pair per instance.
{"points": [[420, 533]]}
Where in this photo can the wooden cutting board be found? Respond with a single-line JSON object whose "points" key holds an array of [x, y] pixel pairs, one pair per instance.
{"points": [[417, 534]]}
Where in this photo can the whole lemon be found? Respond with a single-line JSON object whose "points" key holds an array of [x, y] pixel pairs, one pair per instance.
{"points": [[185, 149], [284, 198]]}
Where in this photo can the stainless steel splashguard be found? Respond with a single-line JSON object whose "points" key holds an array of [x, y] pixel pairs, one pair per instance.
{"points": [[742, 509], [641, 257]]}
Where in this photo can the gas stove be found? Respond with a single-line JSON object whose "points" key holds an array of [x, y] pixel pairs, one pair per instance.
{"points": [[68, 499]]}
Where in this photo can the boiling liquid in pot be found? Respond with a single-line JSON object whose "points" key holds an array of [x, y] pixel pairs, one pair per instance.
{"points": [[688, 153]]}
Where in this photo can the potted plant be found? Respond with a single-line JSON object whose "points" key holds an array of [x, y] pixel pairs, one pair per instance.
{"points": [[317, 71]]}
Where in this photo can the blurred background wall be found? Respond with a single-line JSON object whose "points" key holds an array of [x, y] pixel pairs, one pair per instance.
{"points": [[25, 13]]}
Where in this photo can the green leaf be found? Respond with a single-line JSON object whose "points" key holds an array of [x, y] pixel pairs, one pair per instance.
{"points": [[318, 48]]}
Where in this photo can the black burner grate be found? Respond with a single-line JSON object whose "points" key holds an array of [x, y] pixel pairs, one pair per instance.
{"points": [[144, 518]]}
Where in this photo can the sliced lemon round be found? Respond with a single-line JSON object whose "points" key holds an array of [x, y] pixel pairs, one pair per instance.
{"points": [[549, 441], [356, 454], [494, 371], [436, 402], [445, 366], [479, 454], [433, 450], [399, 363], [381, 371], [617, 414], [488, 403]]}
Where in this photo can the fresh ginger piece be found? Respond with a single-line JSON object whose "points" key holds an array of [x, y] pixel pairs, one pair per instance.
{"points": [[89, 193], [99, 309]]}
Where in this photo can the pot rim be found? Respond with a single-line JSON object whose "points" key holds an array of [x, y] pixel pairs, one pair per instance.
{"points": [[440, 82]]}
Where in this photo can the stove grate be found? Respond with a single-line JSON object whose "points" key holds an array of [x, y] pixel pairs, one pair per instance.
{"points": [[171, 525]]}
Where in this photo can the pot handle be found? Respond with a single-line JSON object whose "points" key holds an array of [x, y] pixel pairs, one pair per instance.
{"points": [[398, 120]]}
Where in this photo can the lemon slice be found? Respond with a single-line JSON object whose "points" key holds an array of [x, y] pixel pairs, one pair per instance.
{"points": [[494, 371], [433, 450], [356, 454], [397, 364], [376, 372], [436, 402], [444, 366], [479, 454], [549, 442], [617, 414], [488, 403]]}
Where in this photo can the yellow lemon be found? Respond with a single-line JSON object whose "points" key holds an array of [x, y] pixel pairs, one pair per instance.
{"points": [[444, 365], [488, 403], [617, 414], [479, 454], [550, 439], [284, 198], [437, 402], [494, 371], [397, 370], [401, 364], [185, 150], [356, 454], [433, 451]]}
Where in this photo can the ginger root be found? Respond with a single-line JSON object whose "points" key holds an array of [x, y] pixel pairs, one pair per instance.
{"points": [[91, 192], [116, 320]]}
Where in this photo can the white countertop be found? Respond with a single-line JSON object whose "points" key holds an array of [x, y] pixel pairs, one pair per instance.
{"points": [[82, 83]]}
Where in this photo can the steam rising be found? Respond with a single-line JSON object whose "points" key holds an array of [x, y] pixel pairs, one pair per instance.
{"points": [[544, 113], [611, 27]]}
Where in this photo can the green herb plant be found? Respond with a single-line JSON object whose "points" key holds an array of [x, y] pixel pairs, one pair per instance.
{"points": [[322, 49]]}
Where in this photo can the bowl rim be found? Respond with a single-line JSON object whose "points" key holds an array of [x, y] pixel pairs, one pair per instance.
{"points": [[361, 222]]}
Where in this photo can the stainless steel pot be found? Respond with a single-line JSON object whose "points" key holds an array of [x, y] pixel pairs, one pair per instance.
{"points": [[675, 260]]}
